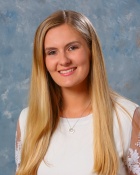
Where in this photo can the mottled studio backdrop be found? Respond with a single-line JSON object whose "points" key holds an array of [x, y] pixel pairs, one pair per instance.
{"points": [[118, 25]]}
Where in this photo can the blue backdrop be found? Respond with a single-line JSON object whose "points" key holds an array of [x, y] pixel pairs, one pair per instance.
{"points": [[118, 26]]}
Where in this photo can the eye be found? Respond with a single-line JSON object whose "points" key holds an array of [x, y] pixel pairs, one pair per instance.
{"points": [[71, 48], [51, 52]]}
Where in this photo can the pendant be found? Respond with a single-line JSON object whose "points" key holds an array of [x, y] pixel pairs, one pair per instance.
{"points": [[71, 130]]}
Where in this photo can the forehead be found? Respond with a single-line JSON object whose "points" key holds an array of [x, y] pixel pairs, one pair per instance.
{"points": [[62, 34]]}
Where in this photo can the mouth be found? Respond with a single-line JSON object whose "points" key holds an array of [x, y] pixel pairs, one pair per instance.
{"points": [[67, 72]]}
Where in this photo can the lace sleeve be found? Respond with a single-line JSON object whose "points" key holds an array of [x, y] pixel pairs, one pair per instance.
{"points": [[18, 146], [133, 159]]}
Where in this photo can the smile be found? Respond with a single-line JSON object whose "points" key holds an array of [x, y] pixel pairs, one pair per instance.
{"points": [[67, 72]]}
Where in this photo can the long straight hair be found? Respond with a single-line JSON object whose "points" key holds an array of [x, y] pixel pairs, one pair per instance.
{"points": [[45, 100]]}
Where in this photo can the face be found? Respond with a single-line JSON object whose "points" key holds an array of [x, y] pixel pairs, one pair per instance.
{"points": [[67, 56]]}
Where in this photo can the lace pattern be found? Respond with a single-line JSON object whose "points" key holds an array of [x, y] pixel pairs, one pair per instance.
{"points": [[133, 159], [18, 154], [18, 146]]}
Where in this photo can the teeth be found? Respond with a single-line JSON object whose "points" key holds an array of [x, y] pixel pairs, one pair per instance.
{"points": [[66, 71]]}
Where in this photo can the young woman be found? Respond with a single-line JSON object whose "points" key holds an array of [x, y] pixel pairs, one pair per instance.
{"points": [[75, 124]]}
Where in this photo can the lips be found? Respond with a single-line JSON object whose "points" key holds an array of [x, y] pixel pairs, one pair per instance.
{"points": [[68, 71]]}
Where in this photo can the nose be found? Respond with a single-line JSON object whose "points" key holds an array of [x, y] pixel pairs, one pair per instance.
{"points": [[64, 60]]}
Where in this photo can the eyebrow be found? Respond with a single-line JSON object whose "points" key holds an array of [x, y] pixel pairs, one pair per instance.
{"points": [[53, 48]]}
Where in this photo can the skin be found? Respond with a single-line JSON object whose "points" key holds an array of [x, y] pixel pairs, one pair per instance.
{"points": [[67, 59]]}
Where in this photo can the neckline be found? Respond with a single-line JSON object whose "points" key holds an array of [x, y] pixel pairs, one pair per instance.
{"points": [[73, 120]]}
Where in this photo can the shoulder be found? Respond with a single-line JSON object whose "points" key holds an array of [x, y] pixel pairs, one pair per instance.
{"points": [[124, 111], [23, 116], [22, 121], [124, 105]]}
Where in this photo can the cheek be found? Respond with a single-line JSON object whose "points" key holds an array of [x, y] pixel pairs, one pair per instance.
{"points": [[46, 64], [85, 63], [49, 65], [84, 59]]}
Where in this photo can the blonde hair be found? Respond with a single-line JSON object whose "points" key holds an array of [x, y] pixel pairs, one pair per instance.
{"points": [[45, 101]]}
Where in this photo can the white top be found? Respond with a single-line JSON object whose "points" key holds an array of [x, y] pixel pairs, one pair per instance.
{"points": [[72, 153]]}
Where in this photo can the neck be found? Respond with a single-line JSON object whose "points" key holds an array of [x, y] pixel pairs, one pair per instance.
{"points": [[76, 102]]}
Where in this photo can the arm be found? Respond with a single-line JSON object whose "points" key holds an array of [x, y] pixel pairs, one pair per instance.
{"points": [[133, 160], [18, 146]]}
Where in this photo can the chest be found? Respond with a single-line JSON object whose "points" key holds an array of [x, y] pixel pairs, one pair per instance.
{"points": [[72, 153]]}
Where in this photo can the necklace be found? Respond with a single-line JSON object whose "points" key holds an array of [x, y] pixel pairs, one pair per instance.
{"points": [[71, 128]]}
